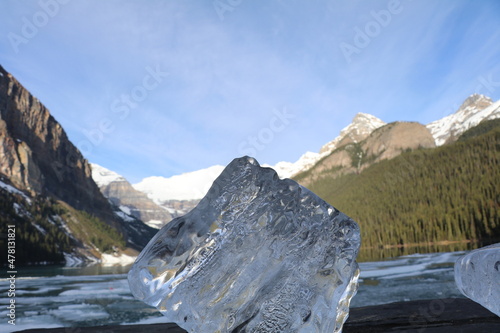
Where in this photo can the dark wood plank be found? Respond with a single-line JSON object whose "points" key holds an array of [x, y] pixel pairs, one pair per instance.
{"points": [[426, 316]]}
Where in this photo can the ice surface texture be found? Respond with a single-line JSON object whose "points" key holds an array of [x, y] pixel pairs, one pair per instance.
{"points": [[258, 254], [477, 275]]}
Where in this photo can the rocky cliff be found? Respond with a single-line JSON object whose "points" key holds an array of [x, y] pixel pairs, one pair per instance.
{"points": [[362, 125], [36, 154], [47, 190], [391, 140], [384, 142], [121, 193]]}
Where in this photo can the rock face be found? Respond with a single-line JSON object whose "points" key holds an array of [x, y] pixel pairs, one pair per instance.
{"points": [[258, 254], [121, 193], [385, 142], [361, 127], [477, 275], [37, 158], [391, 140], [36, 154]]}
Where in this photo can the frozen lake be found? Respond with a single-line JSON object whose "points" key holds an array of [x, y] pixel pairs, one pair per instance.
{"points": [[60, 296]]}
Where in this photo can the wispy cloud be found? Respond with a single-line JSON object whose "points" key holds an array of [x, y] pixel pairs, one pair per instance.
{"points": [[227, 77]]}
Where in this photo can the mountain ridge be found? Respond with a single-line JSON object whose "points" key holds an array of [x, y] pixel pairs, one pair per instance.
{"points": [[360, 128], [37, 154], [474, 109], [48, 190], [424, 196], [477, 108], [129, 200]]}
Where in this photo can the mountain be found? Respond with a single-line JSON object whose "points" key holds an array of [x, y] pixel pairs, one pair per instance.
{"points": [[37, 155], [474, 109], [364, 142], [362, 125], [392, 139], [48, 191], [425, 196], [179, 194], [187, 186], [385, 142], [130, 201]]}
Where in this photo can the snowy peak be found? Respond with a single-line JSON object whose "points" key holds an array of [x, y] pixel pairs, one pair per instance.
{"points": [[129, 201], [362, 125], [187, 186], [103, 176], [473, 110], [476, 101], [288, 169]]}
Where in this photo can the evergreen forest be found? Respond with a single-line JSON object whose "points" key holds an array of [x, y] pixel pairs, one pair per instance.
{"points": [[425, 196]]}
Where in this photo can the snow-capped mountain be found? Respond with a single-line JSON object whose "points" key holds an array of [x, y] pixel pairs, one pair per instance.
{"points": [[361, 127], [194, 185], [186, 189], [288, 169], [103, 176], [128, 200], [187, 186], [475, 109]]}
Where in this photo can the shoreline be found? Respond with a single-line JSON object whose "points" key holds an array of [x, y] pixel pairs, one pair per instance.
{"points": [[425, 316]]}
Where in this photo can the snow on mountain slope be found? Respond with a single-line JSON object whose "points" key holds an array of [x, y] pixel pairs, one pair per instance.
{"points": [[288, 169], [475, 109], [362, 125], [194, 185], [103, 176], [187, 186]]}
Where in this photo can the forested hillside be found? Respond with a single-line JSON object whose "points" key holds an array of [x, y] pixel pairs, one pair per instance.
{"points": [[46, 229], [449, 193]]}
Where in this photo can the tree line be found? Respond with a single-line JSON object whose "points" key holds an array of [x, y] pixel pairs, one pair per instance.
{"points": [[448, 193]]}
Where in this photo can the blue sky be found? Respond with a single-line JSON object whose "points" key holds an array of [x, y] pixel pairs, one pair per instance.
{"points": [[164, 87]]}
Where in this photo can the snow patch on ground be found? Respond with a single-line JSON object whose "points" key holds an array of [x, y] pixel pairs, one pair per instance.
{"points": [[103, 176], [157, 224], [39, 228], [125, 209], [13, 190], [112, 259], [72, 260], [124, 216]]}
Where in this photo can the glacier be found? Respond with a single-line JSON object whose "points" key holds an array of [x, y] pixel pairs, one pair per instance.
{"points": [[258, 254], [477, 275]]}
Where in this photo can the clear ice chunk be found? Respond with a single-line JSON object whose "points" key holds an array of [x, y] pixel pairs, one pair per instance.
{"points": [[258, 254], [477, 275]]}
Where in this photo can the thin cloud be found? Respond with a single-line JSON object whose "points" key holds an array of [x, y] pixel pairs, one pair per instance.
{"points": [[226, 78]]}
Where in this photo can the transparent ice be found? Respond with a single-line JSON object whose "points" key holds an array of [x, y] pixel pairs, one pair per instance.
{"points": [[477, 275], [258, 254]]}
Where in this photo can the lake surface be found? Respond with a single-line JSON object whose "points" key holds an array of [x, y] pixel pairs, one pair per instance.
{"points": [[61, 296]]}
